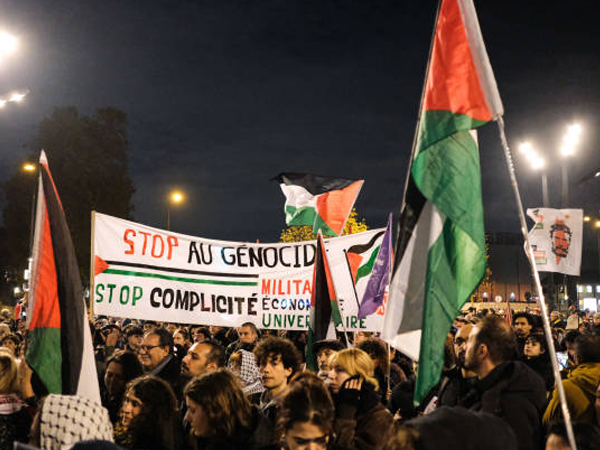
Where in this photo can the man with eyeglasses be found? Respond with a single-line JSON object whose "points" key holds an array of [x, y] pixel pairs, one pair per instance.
{"points": [[156, 356]]}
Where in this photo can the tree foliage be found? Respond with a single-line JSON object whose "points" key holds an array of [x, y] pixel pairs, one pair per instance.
{"points": [[88, 158], [304, 233]]}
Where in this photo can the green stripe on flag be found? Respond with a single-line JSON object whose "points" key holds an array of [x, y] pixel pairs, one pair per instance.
{"points": [[448, 174], [300, 216], [438, 125], [130, 273], [366, 268], [320, 224], [45, 358]]}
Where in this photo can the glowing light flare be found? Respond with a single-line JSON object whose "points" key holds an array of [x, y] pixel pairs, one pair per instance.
{"points": [[8, 43], [571, 139], [16, 97], [29, 167], [176, 197], [536, 161], [597, 224], [586, 218]]}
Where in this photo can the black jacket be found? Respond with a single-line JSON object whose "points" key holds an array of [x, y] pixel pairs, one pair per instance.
{"points": [[515, 393]]}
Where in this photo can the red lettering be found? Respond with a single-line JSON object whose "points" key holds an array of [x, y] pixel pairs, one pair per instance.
{"points": [[155, 238], [307, 289], [128, 241], [171, 242], [145, 241], [266, 287]]}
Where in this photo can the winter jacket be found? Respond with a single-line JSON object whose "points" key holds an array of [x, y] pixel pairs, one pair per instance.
{"points": [[361, 421], [543, 367], [456, 428], [515, 393], [580, 390], [15, 421]]}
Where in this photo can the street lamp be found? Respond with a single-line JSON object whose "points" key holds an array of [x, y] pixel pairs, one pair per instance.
{"points": [[537, 163], [8, 44], [175, 198], [569, 145]]}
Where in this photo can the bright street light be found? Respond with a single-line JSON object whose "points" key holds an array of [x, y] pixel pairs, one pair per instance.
{"points": [[8, 44], [537, 163], [586, 218], [571, 139], [29, 167], [176, 197], [15, 97]]}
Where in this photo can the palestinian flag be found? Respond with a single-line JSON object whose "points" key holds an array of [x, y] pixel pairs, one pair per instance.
{"points": [[324, 311], [320, 202], [59, 349], [440, 253], [361, 257]]}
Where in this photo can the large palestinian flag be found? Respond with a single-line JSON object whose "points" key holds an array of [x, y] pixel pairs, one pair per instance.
{"points": [[324, 309], [59, 349], [323, 203], [440, 253]]}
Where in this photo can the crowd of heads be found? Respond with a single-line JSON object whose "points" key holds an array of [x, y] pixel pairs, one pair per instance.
{"points": [[169, 386]]}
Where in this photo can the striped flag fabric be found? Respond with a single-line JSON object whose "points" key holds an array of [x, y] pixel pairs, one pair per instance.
{"points": [[321, 202], [379, 280], [60, 347], [324, 311], [440, 252]]}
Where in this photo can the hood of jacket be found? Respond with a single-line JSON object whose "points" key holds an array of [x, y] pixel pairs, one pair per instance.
{"points": [[585, 376]]}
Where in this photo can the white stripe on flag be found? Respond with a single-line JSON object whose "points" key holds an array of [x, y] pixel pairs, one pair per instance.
{"points": [[298, 197], [87, 385], [404, 311]]}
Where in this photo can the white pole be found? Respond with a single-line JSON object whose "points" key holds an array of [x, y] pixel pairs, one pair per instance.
{"points": [[538, 284]]}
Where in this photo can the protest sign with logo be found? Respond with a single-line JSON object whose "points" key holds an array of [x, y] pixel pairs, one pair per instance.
{"points": [[148, 273], [556, 239]]}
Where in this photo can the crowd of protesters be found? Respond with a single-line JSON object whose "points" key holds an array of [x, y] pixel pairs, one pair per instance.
{"points": [[168, 386]]}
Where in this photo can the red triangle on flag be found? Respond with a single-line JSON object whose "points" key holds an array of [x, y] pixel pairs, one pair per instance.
{"points": [[99, 265]]}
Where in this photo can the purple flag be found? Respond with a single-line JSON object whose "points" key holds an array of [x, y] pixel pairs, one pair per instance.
{"points": [[380, 276]]}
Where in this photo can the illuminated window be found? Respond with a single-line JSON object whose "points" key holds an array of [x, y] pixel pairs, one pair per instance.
{"points": [[588, 288], [579, 288]]}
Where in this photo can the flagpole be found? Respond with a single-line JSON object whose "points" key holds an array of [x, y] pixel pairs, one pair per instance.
{"points": [[538, 284], [351, 278]]}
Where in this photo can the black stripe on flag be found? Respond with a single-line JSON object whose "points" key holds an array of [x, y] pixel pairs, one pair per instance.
{"points": [[70, 292], [322, 299], [315, 184], [414, 201]]}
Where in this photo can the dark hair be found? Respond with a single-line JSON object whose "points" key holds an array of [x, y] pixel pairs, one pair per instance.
{"points": [[133, 330], [273, 347], [202, 330], [223, 402], [129, 362], [184, 332], [251, 325], [165, 339], [587, 435], [216, 353], [15, 338], [156, 424], [376, 349], [587, 349], [527, 316], [306, 400], [540, 339], [571, 336], [498, 337]]}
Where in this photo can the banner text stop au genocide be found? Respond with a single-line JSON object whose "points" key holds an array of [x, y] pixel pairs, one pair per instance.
{"points": [[152, 274]]}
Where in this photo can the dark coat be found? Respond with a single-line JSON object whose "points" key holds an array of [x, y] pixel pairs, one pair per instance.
{"points": [[361, 421], [171, 373], [456, 428], [14, 427], [515, 393], [453, 387], [543, 367]]}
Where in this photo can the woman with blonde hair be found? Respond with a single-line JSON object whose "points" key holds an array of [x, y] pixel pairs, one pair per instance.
{"points": [[218, 411], [361, 421]]}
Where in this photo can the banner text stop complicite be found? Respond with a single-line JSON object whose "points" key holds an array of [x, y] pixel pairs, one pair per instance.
{"points": [[155, 274]]}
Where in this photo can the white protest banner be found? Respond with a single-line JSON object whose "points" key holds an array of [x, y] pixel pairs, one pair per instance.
{"points": [[556, 239], [148, 273]]}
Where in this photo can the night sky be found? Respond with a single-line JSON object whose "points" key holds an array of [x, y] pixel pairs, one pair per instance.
{"points": [[223, 95]]}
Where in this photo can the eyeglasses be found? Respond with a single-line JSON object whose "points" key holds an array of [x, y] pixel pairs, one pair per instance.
{"points": [[147, 348]]}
